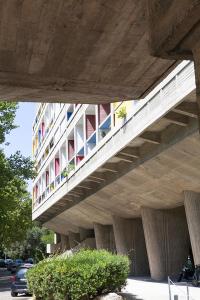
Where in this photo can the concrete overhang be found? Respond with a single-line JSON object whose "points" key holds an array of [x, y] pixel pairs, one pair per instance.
{"points": [[141, 158], [76, 51]]}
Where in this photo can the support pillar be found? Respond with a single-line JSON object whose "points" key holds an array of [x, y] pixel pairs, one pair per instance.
{"points": [[74, 239], [196, 55], [192, 209], [129, 239], [167, 240], [104, 237], [86, 233], [64, 242]]}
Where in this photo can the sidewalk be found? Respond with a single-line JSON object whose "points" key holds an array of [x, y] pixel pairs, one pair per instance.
{"points": [[143, 289]]}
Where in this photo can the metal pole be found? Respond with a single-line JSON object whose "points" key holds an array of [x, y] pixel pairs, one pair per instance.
{"points": [[188, 296], [170, 296]]}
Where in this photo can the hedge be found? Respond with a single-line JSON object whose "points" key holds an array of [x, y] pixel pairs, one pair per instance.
{"points": [[85, 274]]}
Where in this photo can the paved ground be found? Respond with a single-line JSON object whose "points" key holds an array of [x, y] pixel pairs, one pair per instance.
{"points": [[5, 279], [147, 290], [136, 289]]}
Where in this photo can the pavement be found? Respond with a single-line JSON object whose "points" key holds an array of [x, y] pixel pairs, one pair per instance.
{"points": [[5, 281], [145, 289], [136, 289]]}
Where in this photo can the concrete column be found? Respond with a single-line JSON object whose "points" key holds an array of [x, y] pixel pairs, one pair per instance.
{"points": [[104, 237], [167, 240], [86, 233], [129, 239], [196, 55], [192, 209], [74, 239], [64, 242]]}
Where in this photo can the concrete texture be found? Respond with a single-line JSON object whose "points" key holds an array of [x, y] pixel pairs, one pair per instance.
{"points": [[129, 240], [88, 51], [147, 290], [65, 245], [104, 237], [74, 239], [167, 240], [192, 209], [175, 22], [86, 233]]}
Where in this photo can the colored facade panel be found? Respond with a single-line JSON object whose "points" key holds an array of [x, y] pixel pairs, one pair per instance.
{"points": [[57, 166], [90, 125], [70, 149], [103, 111]]}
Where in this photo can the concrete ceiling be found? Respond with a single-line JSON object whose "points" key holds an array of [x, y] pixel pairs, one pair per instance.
{"points": [[76, 51], [158, 183]]}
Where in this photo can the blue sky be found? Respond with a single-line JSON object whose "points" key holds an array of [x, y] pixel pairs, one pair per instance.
{"points": [[21, 137]]}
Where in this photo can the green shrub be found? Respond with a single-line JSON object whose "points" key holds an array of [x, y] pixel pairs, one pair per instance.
{"points": [[83, 275]]}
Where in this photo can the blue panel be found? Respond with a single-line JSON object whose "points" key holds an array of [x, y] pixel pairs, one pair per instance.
{"points": [[106, 124], [81, 151], [92, 139], [69, 113]]}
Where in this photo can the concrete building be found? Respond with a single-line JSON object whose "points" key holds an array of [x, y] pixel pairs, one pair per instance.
{"points": [[124, 176], [93, 50]]}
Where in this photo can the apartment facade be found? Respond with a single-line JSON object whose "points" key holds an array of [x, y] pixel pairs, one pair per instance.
{"points": [[124, 176]]}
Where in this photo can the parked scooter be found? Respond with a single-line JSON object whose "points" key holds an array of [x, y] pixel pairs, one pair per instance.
{"points": [[187, 272]]}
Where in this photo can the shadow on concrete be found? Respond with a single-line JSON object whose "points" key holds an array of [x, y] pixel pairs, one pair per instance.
{"points": [[4, 289], [129, 296]]}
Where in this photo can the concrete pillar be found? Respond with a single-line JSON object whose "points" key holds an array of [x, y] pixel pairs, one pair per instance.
{"points": [[167, 240], [129, 239], [196, 55], [64, 242], [86, 233], [74, 239], [104, 237], [192, 209]]}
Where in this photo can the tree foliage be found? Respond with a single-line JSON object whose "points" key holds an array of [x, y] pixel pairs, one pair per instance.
{"points": [[15, 203], [34, 244]]}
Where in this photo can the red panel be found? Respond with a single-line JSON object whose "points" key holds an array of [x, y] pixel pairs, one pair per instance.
{"points": [[90, 125], [103, 111], [43, 129], [47, 178], [57, 166], [70, 149], [79, 158]]}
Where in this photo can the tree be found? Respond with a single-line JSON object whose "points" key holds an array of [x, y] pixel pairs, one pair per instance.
{"points": [[34, 244], [19, 236], [15, 203]]}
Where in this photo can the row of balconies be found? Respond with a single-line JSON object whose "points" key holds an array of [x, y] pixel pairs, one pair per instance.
{"points": [[92, 126]]}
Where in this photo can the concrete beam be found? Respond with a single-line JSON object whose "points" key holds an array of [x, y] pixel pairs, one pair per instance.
{"points": [[189, 109], [177, 118], [167, 240], [111, 167], [108, 58], [129, 240], [131, 151], [192, 209], [151, 137], [125, 158]]}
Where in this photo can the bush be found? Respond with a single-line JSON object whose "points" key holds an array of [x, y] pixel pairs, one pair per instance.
{"points": [[83, 275]]}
